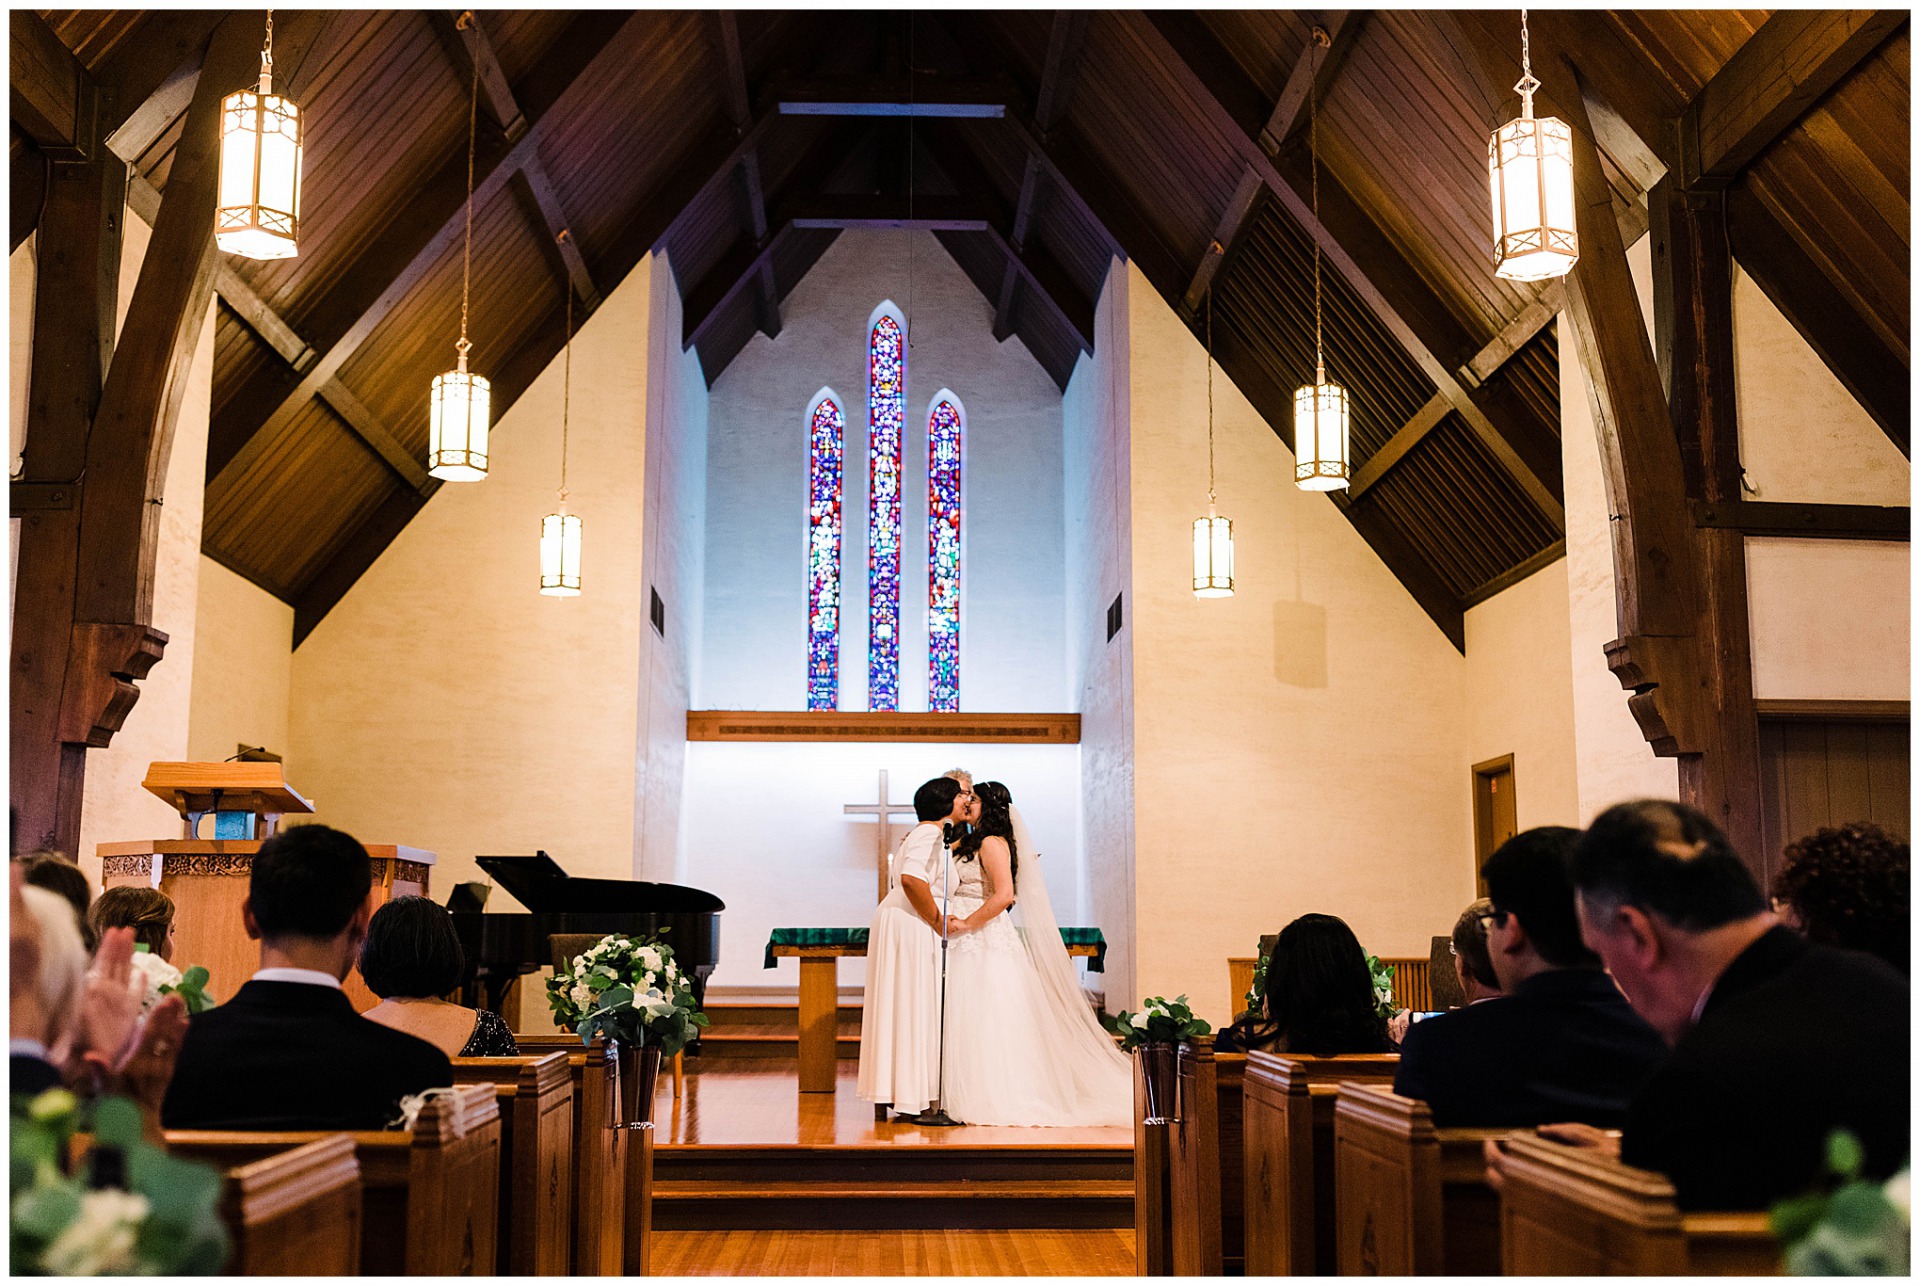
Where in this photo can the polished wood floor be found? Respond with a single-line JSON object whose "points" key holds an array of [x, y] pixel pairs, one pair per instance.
{"points": [[739, 1103], [1106, 1252]]}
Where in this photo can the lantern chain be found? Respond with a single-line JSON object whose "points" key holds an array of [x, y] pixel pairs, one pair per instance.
{"points": [[1527, 85], [1209, 401], [266, 58], [1313, 158], [566, 396], [466, 253]]}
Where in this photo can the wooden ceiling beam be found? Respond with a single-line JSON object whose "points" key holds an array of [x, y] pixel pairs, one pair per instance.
{"points": [[50, 95], [404, 253], [28, 170], [752, 187], [144, 72], [929, 95], [891, 210], [1405, 439], [1309, 73], [1771, 81], [1064, 43], [1418, 319]]}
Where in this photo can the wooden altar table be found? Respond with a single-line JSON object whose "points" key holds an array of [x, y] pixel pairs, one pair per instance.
{"points": [[819, 952]]}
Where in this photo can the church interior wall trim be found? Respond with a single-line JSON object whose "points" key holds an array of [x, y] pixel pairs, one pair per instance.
{"points": [[881, 725]]}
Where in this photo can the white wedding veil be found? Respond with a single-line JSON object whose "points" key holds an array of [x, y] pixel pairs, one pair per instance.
{"points": [[1090, 1061]]}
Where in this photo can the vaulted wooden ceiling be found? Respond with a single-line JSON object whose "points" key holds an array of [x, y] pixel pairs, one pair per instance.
{"points": [[1035, 145]]}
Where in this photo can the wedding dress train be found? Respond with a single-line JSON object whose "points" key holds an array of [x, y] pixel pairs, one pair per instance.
{"points": [[1022, 1045]]}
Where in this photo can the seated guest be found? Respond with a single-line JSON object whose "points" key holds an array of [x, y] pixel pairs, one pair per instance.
{"points": [[148, 912], [412, 958], [288, 1052], [1472, 966], [54, 872], [44, 980], [1317, 999], [1777, 1041], [1561, 1043], [1846, 886]]}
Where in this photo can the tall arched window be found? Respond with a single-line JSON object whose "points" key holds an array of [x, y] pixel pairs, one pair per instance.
{"points": [[946, 438], [826, 433], [886, 415]]}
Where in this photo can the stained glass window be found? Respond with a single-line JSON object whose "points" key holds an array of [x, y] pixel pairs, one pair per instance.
{"points": [[826, 431], [946, 428], [886, 413]]}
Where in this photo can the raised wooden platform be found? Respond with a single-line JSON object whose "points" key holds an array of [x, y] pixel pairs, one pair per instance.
{"points": [[743, 1149]]}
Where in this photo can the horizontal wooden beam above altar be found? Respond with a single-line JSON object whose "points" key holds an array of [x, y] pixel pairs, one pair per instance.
{"points": [[872, 725]]}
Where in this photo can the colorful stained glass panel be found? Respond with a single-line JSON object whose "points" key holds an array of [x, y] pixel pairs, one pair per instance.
{"points": [[826, 433], [944, 432], [886, 413]]}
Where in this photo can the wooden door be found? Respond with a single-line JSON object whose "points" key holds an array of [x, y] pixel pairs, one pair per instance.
{"points": [[1495, 817]]}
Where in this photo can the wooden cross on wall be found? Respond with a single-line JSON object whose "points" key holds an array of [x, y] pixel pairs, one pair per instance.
{"points": [[883, 813]]}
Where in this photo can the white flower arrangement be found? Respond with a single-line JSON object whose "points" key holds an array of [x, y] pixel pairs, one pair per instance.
{"points": [[150, 978], [101, 1239], [630, 989]]}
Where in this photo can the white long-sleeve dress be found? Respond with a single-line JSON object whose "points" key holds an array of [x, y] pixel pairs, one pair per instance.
{"points": [[900, 1021]]}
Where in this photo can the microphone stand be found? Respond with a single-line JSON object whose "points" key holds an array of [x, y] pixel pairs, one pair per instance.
{"points": [[936, 1114]]}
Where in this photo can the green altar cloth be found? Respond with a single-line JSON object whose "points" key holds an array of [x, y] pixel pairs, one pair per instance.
{"points": [[1096, 963]]}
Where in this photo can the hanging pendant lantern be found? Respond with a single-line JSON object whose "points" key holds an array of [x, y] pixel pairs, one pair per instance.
{"points": [[560, 531], [1212, 535], [1530, 179], [461, 405], [258, 212], [1321, 410], [560, 554], [1212, 556]]}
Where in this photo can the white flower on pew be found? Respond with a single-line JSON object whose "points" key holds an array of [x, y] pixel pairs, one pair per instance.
{"points": [[102, 1237]]}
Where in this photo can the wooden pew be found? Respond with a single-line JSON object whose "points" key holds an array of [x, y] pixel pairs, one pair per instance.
{"points": [[1288, 1105], [1152, 1187], [599, 1152], [535, 1093], [1571, 1212], [1205, 1160], [429, 1199], [296, 1213], [636, 1173], [1411, 1200]]}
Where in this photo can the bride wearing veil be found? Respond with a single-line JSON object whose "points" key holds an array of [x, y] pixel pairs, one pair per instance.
{"points": [[1022, 1046]]}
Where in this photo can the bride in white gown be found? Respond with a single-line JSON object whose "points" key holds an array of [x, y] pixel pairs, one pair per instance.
{"points": [[1022, 1045]]}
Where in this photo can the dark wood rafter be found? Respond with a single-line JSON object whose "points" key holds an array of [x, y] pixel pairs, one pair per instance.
{"points": [[1787, 66], [404, 253], [29, 172], [153, 73], [1064, 42], [1416, 318], [50, 95], [750, 184], [1313, 72], [1819, 521], [468, 46]]}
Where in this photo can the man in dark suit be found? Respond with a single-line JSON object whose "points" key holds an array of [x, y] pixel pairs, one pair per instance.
{"points": [[1776, 1041], [288, 1052], [1561, 1042]]}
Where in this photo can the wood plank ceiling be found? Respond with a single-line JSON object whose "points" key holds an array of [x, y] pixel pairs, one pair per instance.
{"points": [[1178, 140]]}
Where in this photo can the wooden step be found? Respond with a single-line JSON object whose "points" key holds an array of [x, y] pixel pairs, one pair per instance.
{"points": [[893, 1204], [726, 1044], [745, 1165]]}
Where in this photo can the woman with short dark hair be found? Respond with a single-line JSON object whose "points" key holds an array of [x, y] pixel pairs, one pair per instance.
{"points": [[411, 959], [1318, 997]]}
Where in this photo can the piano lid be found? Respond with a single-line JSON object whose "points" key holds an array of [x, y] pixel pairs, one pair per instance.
{"points": [[541, 885]]}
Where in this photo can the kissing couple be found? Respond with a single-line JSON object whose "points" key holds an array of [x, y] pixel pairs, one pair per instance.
{"points": [[1010, 1038]]}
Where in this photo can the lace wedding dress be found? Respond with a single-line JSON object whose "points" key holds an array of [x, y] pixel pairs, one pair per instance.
{"points": [[1022, 1045]]}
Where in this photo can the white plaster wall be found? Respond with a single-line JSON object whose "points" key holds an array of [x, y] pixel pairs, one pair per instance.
{"points": [[114, 806], [767, 835], [1298, 747], [672, 559], [444, 702], [1802, 436], [1097, 425], [1520, 695], [1615, 762], [1012, 588], [242, 668], [1832, 619]]}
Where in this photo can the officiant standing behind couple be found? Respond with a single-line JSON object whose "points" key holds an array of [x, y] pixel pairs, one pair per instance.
{"points": [[1019, 1044]]}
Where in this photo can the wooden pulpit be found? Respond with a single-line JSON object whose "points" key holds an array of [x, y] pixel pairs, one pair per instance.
{"points": [[207, 878]]}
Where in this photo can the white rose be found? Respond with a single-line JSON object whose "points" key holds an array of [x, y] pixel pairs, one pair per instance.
{"points": [[1139, 1020], [582, 995], [1900, 1194], [101, 1238], [149, 974], [579, 963]]}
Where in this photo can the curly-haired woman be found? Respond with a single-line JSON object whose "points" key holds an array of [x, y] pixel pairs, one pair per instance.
{"points": [[1846, 886]]}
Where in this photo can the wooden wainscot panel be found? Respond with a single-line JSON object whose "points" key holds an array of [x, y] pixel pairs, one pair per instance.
{"points": [[296, 1213], [599, 1151], [881, 725], [535, 1094], [1570, 1212], [1412, 1200], [429, 1199], [1288, 1105]]}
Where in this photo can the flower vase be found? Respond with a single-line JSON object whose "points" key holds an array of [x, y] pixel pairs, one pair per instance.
{"points": [[1160, 1073], [639, 1071]]}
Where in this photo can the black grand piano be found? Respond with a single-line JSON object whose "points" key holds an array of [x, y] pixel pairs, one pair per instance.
{"points": [[502, 946]]}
